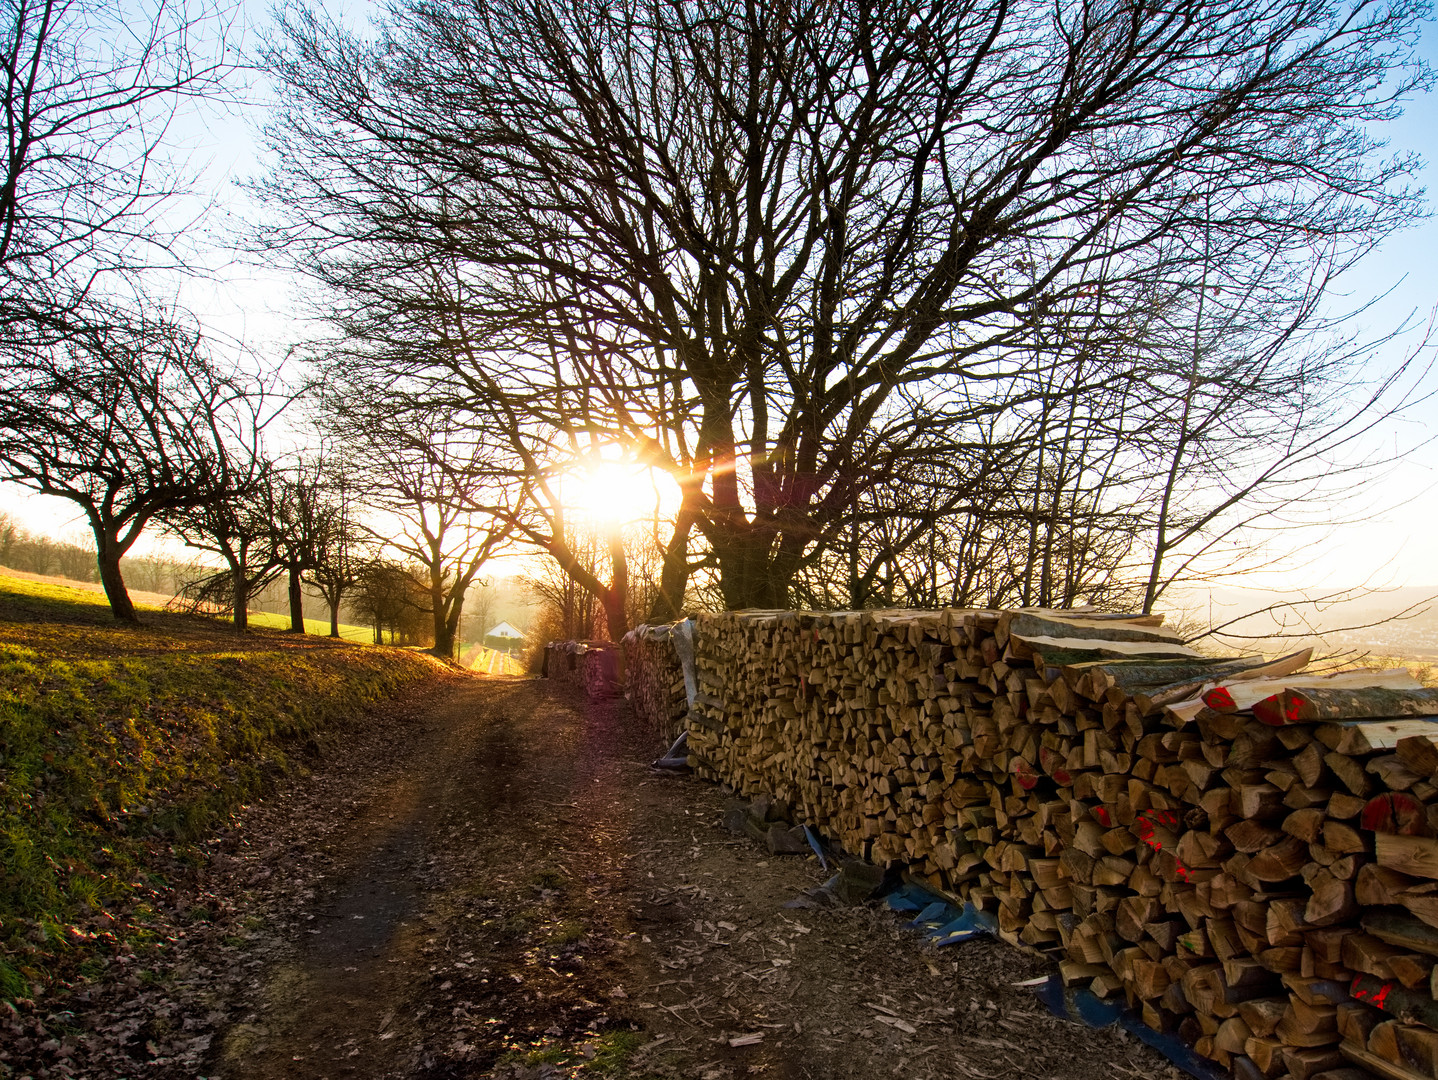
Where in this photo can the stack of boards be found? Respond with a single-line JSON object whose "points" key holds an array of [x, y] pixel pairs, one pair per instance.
{"points": [[1244, 851], [654, 681]]}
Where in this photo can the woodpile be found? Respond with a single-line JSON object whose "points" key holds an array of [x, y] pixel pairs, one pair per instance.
{"points": [[1247, 853], [589, 666], [654, 681]]}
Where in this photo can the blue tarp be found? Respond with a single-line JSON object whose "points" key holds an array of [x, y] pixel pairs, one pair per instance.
{"points": [[946, 924]]}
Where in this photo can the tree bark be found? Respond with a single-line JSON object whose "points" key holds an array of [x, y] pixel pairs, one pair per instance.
{"points": [[297, 603], [668, 603], [108, 559], [443, 629], [748, 576], [450, 625], [443, 642], [616, 597], [242, 597], [242, 601]]}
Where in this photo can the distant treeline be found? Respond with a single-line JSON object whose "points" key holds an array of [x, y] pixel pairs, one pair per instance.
{"points": [[37, 553], [383, 595]]}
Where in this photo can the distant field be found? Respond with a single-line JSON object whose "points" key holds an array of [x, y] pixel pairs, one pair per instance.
{"points": [[362, 635], [1373, 625], [491, 662], [93, 593], [119, 745], [141, 598]]}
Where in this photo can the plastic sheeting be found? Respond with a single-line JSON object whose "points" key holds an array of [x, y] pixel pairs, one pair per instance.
{"points": [[938, 919], [682, 635], [946, 924]]}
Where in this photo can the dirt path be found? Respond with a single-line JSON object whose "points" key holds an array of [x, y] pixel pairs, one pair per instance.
{"points": [[489, 881]]}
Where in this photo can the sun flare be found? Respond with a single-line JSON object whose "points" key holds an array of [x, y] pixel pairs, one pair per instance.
{"points": [[616, 492]]}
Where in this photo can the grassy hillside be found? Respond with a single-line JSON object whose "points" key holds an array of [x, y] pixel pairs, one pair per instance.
{"points": [[363, 635], [118, 746], [90, 592]]}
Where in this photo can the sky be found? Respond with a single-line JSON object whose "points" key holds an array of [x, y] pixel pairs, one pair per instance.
{"points": [[1396, 543]]}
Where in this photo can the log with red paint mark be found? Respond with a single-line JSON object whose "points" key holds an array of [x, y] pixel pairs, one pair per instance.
{"points": [[1394, 812], [1053, 764], [1308, 705], [1240, 694]]}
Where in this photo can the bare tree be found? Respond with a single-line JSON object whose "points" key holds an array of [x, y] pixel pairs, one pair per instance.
{"points": [[1260, 419], [337, 545], [479, 610], [728, 235], [239, 530], [299, 523], [426, 481], [129, 419], [87, 92], [389, 595]]}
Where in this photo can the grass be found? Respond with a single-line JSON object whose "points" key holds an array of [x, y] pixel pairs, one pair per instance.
{"points": [[264, 620], [120, 746], [69, 603]]}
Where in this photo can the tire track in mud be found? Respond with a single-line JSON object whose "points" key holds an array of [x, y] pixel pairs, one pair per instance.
{"points": [[459, 923]]}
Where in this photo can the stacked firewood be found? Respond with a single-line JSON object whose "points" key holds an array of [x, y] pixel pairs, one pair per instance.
{"points": [[590, 666], [1244, 851], [654, 681]]}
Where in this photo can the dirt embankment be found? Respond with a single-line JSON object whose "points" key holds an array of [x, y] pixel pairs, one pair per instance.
{"points": [[488, 881]]}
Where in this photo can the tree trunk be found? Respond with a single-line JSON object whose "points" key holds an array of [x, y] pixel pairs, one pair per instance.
{"points": [[297, 603], [616, 597], [334, 615], [240, 588], [741, 547], [443, 640], [449, 625], [747, 575], [857, 590], [108, 558], [668, 603], [439, 608]]}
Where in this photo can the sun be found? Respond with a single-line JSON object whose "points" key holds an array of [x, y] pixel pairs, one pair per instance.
{"points": [[615, 492]]}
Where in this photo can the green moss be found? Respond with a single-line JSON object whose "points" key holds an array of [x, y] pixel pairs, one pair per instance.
{"points": [[608, 1054], [550, 1055], [566, 933], [548, 878], [614, 1049]]}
